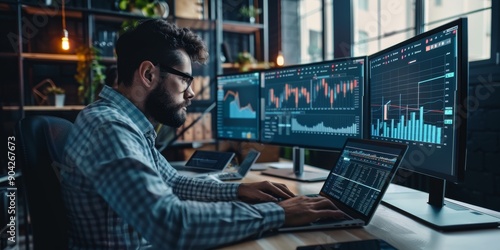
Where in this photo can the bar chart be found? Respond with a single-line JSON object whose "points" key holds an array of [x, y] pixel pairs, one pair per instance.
{"points": [[338, 124], [410, 106], [413, 129]]}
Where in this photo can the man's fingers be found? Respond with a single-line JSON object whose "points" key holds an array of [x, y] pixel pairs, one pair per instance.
{"points": [[284, 188], [266, 197], [324, 203], [337, 214], [325, 208], [278, 190]]}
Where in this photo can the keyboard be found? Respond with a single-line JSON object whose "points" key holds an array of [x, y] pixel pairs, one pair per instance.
{"points": [[227, 175]]}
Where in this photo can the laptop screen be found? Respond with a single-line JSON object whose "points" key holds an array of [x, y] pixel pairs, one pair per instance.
{"points": [[208, 161], [362, 174]]}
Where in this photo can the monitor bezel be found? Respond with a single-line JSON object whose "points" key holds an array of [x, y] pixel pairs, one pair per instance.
{"points": [[258, 109], [461, 98], [363, 129]]}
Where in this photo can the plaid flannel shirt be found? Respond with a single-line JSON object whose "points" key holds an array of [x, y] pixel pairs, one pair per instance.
{"points": [[121, 193]]}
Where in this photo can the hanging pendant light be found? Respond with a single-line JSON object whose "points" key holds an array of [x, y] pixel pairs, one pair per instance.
{"points": [[280, 60], [64, 40]]}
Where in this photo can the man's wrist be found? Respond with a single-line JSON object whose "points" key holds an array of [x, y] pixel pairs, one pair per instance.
{"points": [[237, 195]]}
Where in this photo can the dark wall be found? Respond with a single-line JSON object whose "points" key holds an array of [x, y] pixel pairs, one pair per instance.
{"points": [[482, 178], [481, 186]]}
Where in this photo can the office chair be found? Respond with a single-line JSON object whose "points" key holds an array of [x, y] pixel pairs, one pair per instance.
{"points": [[40, 142]]}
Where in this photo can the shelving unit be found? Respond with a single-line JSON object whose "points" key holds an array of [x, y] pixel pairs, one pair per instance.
{"points": [[240, 27], [30, 41]]}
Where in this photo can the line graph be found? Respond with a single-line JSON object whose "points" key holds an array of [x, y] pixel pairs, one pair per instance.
{"points": [[324, 93], [317, 105], [236, 110], [296, 95], [335, 93], [238, 106]]}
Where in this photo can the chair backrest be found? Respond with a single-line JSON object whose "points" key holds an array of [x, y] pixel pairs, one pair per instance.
{"points": [[40, 142]]}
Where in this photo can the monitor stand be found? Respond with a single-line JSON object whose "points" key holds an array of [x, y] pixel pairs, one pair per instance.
{"points": [[436, 212], [297, 172]]}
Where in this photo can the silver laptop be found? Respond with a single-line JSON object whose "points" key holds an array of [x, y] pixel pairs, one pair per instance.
{"points": [[237, 172], [203, 163], [358, 181]]}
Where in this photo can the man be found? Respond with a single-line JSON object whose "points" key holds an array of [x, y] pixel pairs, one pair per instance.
{"points": [[121, 193]]}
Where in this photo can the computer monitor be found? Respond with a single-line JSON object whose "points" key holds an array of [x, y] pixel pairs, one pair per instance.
{"points": [[238, 106], [418, 96], [317, 105]]}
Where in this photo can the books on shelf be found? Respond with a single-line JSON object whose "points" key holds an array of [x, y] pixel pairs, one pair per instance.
{"points": [[192, 9]]}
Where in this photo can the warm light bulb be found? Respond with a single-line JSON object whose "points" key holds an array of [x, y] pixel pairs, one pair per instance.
{"points": [[65, 43], [279, 59], [65, 40]]}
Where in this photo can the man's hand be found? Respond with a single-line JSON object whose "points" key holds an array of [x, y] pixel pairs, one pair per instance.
{"points": [[301, 210], [263, 192]]}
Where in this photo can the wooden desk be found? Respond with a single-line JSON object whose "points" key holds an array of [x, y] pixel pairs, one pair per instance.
{"points": [[399, 230]]}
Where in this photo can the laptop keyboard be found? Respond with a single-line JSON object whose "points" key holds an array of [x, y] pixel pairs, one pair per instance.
{"points": [[227, 175], [326, 220]]}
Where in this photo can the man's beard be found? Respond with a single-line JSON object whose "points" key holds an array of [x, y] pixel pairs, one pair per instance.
{"points": [[162, 108]]}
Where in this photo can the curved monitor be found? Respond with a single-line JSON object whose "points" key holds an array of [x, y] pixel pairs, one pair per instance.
{"points": [[316, 105], [418, 96], [417, 92], [238, 106]]}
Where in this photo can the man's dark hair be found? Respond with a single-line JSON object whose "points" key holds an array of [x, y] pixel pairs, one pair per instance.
{"points": [[156, 40], [111, 75]]}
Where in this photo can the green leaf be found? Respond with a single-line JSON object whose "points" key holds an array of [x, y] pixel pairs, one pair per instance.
{"points": [[123, 5], [140, 3]]}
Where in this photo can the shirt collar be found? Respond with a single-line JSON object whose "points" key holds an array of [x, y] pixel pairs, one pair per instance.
{"points": [[130, 110]]}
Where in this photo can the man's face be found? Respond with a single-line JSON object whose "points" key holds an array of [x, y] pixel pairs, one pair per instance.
{"points": [[167, 103], [162, 106]]}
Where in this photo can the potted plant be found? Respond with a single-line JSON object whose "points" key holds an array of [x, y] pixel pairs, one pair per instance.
{"points": [[250, 12], [245, 60], [58, 95], [89, 73], [148, 8]]}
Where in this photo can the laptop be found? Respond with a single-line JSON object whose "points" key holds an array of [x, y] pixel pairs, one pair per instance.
{"points": [[205, 162], [237, 172], [357, 182]]}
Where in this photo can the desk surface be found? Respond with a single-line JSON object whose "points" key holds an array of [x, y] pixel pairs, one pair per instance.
{"points": [[393, 227]]}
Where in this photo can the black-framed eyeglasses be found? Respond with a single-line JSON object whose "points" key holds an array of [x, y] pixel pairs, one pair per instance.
{"points": [[185, 77]]}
